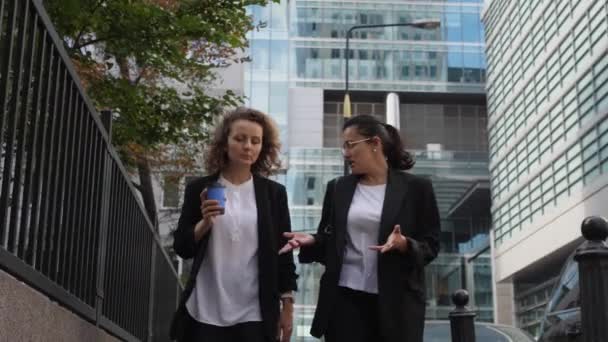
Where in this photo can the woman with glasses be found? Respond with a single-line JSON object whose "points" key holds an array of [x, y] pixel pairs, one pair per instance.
{"points": [[379, 229]]}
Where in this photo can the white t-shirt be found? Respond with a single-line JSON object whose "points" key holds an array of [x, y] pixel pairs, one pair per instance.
{"points": [[359, 269], [227, 286]]}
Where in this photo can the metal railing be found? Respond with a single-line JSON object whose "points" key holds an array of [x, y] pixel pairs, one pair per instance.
{"points": [[71, 223]]}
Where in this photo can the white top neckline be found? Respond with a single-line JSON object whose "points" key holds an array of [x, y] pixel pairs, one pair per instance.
{"points": [[222, 180], [372, 186]]}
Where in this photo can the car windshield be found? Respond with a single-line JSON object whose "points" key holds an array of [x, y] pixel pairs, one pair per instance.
{"points": [[565, 295], [562, 310], [440, 332]]}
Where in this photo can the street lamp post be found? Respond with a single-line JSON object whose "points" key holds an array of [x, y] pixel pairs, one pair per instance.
{"points": [[425, 24]]}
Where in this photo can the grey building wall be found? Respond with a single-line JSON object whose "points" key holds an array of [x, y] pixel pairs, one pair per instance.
{"points": [[28, 315], [305, 119], [504, 305]]}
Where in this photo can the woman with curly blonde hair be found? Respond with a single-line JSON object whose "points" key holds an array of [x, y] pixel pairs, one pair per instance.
{"points": [[240, 288]]}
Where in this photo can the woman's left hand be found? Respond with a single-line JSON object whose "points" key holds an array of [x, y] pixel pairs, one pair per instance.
{"points": [[395, 242], [285, 322]]}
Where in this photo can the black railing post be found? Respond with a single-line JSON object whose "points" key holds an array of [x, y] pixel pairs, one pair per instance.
{"points": [[152, 296], [592, 258], [462, 320], [102, 246], [106, 120]]}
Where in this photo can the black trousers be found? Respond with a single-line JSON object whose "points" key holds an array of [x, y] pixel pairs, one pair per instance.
{"points": [[201, 332], [355, 317]]}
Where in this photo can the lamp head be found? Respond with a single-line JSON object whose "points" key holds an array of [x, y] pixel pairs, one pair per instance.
{"points": [[426, 24]]}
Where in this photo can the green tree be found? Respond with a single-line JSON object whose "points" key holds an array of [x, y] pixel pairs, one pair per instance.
{"points": [[150, 61]]}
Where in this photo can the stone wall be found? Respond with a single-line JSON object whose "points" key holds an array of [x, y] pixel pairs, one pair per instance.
{"points": [[28, 315]]}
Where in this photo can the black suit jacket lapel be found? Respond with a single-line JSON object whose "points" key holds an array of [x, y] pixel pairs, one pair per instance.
{"points": [[266, 252], [396, 188], [345, 190], [262, 200]]}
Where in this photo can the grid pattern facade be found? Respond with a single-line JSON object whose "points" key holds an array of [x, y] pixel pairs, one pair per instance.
{"points": [[547, 105], [519, 41]]}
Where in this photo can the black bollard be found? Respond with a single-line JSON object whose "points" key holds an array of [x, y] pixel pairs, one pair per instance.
{"points": [[462, 320], [592, 258]]}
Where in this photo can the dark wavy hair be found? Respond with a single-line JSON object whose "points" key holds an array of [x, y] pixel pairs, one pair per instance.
{"points": [[268, 163], [392, 144]]}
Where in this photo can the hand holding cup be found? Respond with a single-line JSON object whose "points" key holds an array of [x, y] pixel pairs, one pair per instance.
{"points": [[212, 204]]}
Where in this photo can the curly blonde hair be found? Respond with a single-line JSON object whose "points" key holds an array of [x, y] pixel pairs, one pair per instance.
{"points": [[268, 163]]}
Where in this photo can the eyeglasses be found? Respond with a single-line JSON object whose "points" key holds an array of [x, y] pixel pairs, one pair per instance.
{"points": [[350, 144]]}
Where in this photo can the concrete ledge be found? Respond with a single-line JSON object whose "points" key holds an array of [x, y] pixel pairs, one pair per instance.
{"points": [[28, 315]]}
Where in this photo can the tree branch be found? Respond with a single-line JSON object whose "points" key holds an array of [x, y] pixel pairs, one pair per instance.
{"points": [[78, 38], [80, 46], [81, 32], [99, 3]]}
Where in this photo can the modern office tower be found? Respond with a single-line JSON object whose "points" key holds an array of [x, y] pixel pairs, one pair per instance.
{"points": [[297, 75], [547, 91]]}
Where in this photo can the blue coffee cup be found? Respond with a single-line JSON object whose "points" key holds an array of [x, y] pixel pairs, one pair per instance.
{"points": [[216, 191]]}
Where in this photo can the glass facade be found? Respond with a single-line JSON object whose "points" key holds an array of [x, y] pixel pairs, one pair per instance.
{"points": [[302, 45], [266, 79], [309, 171], [449, 58], [547, 103]]}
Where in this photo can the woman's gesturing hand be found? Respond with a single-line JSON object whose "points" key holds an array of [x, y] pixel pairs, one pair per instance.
{"points": [[395, 242], [296, 240]]}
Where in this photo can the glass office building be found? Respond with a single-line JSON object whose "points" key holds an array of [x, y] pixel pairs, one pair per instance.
{"points": [[547, 89], [296, 74]]}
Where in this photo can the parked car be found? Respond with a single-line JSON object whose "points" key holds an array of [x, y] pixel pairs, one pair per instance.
{"points": [[439, 331], [562, 320]]}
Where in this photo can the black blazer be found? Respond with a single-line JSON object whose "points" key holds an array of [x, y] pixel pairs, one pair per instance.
{"points": [[276, 273], [410, 202]]}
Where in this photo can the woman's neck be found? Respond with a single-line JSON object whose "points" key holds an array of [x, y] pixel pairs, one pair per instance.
{"points": [[236, 174], [376, 176]]}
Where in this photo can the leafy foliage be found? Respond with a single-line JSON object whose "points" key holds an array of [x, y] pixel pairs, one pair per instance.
{"points": [[151, 62]]}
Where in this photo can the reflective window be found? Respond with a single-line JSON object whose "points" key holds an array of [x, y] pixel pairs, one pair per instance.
{"points": [[453, 27], [279, 61], [260, 54], [471, 27], [455, 64]]}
